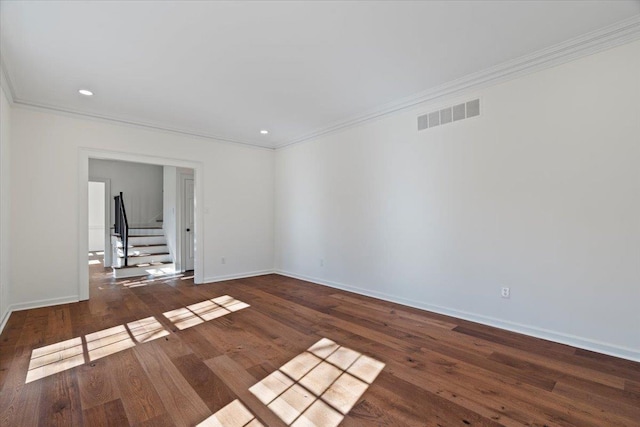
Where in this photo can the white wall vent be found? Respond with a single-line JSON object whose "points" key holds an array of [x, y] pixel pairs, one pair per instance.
{"points": [[449, 114]]}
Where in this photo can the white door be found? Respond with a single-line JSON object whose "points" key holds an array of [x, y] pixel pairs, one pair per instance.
{"points": [[96, 216], [188, 225]]}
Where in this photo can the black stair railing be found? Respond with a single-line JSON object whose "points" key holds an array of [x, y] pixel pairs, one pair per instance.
{"points": [[121, 226]]}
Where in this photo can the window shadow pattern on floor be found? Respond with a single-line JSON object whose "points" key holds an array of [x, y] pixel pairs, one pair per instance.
{"points": [[59, 357], [316, 388]]}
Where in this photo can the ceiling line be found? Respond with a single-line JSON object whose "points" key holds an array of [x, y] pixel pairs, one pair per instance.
{"points": [[608, 37], [74, 113], [605, 38], [6, 83]]}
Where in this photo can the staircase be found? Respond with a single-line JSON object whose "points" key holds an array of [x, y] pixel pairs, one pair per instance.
{"points": [[138, 251]]}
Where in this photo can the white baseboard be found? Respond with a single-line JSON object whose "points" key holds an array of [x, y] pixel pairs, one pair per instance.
{"points": [[237, 276], [555, 336], [35, 304], [4, 319]]}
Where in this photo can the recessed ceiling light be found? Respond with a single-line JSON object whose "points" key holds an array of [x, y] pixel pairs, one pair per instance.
{"points": [[85, 92], [264, 131]]}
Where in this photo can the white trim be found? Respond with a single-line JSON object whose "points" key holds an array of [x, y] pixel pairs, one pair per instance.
{"points": [[83, 225], [622, 32], [43, 303], [587, 44], [5, 319], [546, 334], [177, 255], [237, 276], [181, 255], [84, 154], [35, 304], [6, 84], [132, 122], [108, 250]]}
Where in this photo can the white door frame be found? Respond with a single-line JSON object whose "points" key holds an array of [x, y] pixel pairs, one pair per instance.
{"points": [[183, 175], [107, 218], [84, 154]]}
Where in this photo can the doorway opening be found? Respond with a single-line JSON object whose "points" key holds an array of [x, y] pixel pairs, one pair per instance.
{"points": [[188, 205], [98, 230], [173, 211]]}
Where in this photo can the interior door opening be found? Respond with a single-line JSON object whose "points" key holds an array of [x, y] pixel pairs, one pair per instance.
{"points": [[188, 223], [97, 222], [153, 217]]}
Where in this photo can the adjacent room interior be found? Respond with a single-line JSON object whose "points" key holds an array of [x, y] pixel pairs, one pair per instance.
{"points": [[320, 213]]}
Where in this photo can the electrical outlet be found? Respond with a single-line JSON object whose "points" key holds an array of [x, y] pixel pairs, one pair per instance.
{"points": [[223, 261], [505, 292]]}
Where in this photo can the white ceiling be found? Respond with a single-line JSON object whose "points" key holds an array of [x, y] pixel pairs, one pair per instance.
{"points": [[230, 69]]}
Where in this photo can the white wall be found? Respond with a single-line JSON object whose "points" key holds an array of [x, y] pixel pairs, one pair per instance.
{"points": [[169, 205], [141, 185], [96, 216], [5, 117], [172, 206], [541, 193], [237, 184]]}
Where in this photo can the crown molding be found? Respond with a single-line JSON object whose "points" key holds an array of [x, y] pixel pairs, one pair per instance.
{"points": [[135, 123], [6, 84], [605, 38]]}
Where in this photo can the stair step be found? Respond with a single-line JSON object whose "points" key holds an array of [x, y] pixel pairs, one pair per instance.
{"points": [[155, 269], [143, 259], [154, 264], [138, 240], [144, 249], [143, 231], [144, 227], [138, 235], [143, 255], [145, 246]]}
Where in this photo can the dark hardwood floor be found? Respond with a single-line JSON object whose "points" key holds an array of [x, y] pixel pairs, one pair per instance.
{"points": [[182, 367]]}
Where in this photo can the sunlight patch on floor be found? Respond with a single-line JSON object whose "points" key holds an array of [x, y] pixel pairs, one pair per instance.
{"points": [[235, 414], [148, 329], [318, 387], [230, 303], [108, 341], [183, 318], [58, 357], [137, 282], [162, 271], [55, 358], [208, 310], [204, 311]]}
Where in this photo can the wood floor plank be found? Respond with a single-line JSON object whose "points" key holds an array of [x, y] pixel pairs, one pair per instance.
{"points": [[211, 389], [20, 402], [21, 406], [109, 414], [441, 377], [239, 381], [96, 383], [163, 420], [139, 397], [13, 329], [60, 403], [632, 387], [434, 408], [609, 364], [180, 400], [439, 370], [628, 412]]}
